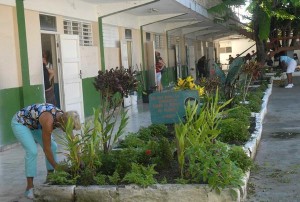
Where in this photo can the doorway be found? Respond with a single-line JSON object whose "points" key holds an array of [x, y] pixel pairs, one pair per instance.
{"points": [[48, 42]]}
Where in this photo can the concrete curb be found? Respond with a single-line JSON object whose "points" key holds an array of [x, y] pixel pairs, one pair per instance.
{"points": [[158, 192]]}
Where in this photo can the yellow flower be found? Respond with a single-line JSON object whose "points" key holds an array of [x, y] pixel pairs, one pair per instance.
{"points": [[189, 79], [180, 82], [191, 85], [201, 91]]}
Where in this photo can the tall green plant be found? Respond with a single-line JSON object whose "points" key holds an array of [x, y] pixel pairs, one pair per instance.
{"points": [[198, 129], [106, 124], [71, 145]]}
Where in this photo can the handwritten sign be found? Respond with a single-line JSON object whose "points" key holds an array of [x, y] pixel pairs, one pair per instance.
{"points": [[169, 106]]}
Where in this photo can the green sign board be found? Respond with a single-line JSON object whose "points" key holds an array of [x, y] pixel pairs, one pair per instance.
{"points": [[169, 106]]}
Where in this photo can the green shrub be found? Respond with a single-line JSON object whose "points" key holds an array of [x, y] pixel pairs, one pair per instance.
{"points": [[100, 179], [115, 178], [141, 175], [158, 130], [212, 164], [144, 134], [240, 112], [233, 131], [86, 177], [131, 140], [61, 178], [240, 158]]}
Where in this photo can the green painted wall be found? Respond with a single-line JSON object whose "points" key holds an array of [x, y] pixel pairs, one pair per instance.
{"points": [[91, 97], [11, 100]]}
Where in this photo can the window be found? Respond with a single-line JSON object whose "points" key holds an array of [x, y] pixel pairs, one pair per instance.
{"points": [[148, 36], [47, 22], [128, 34], [83, 29], [171, 42], [111, 37], [225, 47], [226, 50], [159, 41]]}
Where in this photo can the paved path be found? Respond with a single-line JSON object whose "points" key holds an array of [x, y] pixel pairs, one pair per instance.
{"points": [[277, 175]]}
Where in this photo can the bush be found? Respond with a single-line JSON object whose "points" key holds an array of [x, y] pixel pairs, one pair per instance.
{"points": [[131, 140], [212, 164], [144, 134], [240, 112], [233, 131], [141, 175], [240, 158], [158, 130]]}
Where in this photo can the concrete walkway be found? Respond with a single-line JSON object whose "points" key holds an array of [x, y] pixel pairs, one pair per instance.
{"points": [[12, 178], [276, 176]]}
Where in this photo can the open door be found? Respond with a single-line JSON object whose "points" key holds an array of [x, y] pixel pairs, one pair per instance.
{"points": [[70, 75]]}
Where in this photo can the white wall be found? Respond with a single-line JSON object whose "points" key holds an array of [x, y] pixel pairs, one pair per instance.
{"points": [[71, 8], [238, 46], [10, 76]]}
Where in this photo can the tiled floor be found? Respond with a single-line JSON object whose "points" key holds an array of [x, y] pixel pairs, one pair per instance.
{"points": [[13, 181]]}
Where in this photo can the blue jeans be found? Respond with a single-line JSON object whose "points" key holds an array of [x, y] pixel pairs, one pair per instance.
{"points": [[28, 139]]}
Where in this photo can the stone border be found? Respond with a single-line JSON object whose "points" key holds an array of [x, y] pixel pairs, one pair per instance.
{"points": [[157, 192]]}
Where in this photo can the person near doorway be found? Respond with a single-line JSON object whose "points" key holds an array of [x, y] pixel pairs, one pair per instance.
{"points": [[159, 65], [290, 65], [48, 79], [35, 123], [201, 67]]}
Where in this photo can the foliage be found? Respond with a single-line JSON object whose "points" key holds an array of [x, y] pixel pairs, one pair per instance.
{"points": [[213, 165], [71, 145], [241, 113], [115, 178], [100, 179], [105, 121], [210, 84], [131, 140], [188, 84], [250, 70], [255, 101], [198, 129], [61, 178], [144, 134], [240, 158], [158, 130], [116, 80], [233, 131], [234, 72], [141, 175]]}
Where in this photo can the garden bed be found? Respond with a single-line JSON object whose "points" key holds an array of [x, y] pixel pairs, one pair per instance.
{"points": [[157, 192]]}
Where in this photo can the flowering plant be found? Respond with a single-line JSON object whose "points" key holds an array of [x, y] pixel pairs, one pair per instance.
{"points": [[189, 84]]}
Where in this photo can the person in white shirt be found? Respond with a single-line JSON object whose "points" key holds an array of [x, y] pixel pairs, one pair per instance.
{"points": [[290, 64]]}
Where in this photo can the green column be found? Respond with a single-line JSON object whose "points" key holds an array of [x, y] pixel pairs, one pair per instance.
{"points": [[142, 46], [22, 42], [25, 91], [101, 43]]}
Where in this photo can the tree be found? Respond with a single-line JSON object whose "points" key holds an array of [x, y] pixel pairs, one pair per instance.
{"points": [[270, 19]]}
